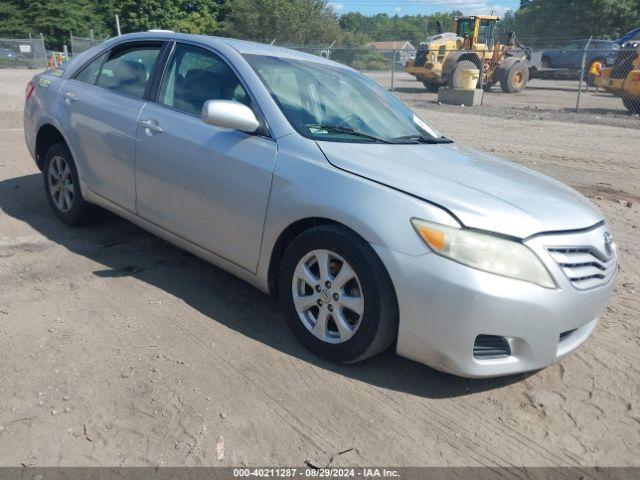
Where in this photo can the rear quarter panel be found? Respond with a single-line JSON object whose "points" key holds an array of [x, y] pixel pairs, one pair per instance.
{"points": [[42, 107]]}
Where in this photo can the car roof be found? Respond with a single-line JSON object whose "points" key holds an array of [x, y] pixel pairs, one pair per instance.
{"points": [[244, 47]]}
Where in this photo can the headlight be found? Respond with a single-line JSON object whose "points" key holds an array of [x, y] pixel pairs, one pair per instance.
{"points": [[485, 252]]}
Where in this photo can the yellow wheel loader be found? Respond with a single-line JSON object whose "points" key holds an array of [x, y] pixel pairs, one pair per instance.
{"points": [[442, 58], [623, 78]]}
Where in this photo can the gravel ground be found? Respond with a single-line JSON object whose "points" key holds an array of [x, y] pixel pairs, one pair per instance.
{"points": [[117, 348]]}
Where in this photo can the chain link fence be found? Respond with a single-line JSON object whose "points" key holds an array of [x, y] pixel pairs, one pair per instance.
{"points": [[22, 53], [589, 76], [601, 78], [80, 44]]}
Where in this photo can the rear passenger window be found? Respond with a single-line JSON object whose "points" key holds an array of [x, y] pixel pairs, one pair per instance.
{"points": [[128, 71], [196, 75]]}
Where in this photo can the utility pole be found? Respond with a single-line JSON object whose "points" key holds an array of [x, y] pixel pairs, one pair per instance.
{"points": [[118, 25]]}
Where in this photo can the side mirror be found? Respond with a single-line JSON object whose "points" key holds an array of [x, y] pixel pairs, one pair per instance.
{"points": [[229, 114]]}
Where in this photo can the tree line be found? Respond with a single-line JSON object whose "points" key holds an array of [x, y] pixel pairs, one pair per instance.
{"points": [[554, 22], [302, 22]]}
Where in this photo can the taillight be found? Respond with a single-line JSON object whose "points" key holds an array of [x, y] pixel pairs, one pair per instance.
{"points": [[29, 90]]}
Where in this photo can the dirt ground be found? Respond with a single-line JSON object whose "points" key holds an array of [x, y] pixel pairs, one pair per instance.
{"points": [[117, 348]]}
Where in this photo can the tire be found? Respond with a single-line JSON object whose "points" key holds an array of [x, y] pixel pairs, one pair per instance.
{"points": [[71, 208], [455, 78], [375, 328], [633, 105], [513, 76], [431, 87]]}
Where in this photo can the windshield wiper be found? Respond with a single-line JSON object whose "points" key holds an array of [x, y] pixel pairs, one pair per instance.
{"points": [[347, 130], [421, 139]]}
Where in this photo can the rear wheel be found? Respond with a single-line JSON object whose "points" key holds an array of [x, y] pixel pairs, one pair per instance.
{"points": [[514, 79], [455, 80], [337, 296], [62, 187]]}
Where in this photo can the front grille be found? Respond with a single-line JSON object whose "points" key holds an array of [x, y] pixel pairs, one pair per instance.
{"points": [[566, 334], [491, 346], [585, 267]]}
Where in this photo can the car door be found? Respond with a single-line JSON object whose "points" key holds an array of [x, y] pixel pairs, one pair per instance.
{"points": [[573, 59], [207, 184], [101, 106]]}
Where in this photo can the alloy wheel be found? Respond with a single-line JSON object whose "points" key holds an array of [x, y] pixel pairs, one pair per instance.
{"points": [[61, 187], [328, 296]]}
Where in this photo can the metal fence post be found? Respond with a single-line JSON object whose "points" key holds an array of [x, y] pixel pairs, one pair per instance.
{"points": [[393, 70], [481, 79], [582, 65]]}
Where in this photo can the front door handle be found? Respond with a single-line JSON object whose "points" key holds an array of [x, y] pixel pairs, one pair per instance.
{"points": [[152, 126], [71, 96]]}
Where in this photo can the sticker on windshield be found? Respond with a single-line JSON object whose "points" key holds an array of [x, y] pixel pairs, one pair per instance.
{"points": [[58, 72], [315, 130], [424, 126]]}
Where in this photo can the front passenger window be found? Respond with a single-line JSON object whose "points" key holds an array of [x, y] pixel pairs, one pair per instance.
{"points": [[128, 71], [196, 75], [89, 74]]}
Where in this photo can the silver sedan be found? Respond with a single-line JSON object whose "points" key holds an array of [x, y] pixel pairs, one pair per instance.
{"points": [[312, 182]]}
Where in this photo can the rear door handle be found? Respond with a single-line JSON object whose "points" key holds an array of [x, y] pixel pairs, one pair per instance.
{"points": [[152, 125], [71, 96]]}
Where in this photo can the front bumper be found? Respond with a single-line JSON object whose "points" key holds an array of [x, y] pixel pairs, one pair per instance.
{"points": [[444, 306]]}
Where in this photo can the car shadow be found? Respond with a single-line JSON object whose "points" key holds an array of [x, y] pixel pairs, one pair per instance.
{"points": [[128, 251]]}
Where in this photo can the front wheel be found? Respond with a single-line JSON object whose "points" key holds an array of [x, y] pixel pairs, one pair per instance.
{"points": [[62, 186], [337, 296]]}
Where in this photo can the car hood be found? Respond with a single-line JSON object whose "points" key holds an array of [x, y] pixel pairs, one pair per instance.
{"points": [[482, 191]]}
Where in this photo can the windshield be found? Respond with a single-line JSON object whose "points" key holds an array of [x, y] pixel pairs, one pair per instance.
{"points": [[323, 102], [466, 27], [485, 32]]}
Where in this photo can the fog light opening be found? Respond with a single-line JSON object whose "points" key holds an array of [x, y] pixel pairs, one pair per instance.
{"points": [[491, 346]]}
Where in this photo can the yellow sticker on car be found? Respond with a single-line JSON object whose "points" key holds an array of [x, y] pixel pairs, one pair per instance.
{"points": [[57, 72], [44, 83]]}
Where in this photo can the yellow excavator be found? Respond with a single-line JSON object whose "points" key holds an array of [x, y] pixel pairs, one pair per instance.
{"points": [[442, 58], [623, 78]]}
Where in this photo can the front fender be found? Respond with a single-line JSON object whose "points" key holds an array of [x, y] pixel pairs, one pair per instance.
{"points": [[306, 185]]}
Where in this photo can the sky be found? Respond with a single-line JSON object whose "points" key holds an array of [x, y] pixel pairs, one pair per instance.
{"points": [[414, 7]]}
